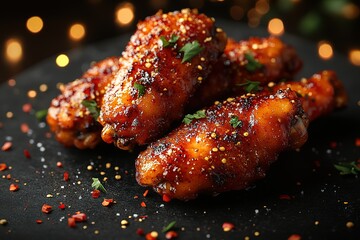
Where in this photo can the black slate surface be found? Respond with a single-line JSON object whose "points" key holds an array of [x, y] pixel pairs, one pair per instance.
{"points": [[319, 202]]}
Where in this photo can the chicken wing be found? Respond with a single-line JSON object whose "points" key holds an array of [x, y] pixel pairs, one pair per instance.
{"points": [[68, 118], [166, 60], [233, 143], [259, 60]]}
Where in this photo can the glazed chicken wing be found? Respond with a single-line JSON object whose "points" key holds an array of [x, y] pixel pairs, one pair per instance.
{"points": [[233, 143], [166, 60], [259, 60], [68, 118]]}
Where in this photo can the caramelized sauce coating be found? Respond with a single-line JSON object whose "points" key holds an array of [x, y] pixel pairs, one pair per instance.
{"points": [[154, 85], [71, 122], [216, 153]]}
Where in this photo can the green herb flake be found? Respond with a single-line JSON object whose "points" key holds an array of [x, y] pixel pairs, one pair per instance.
{"points": [[97, 185], [190, 50], [346, 168], [41, 114], [169, 43], [92, 107], [198, 115], [250, 86], [252, 64], [235, 122], [169, 227], [140, 88]]}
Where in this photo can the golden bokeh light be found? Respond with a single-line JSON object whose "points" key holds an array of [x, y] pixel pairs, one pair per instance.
{"points": [[13, 50], [124, 14], [350, 11], [31, 93], [34, 24], [62, 60], [354, 57], [276, 27], [77, 31], [325, 50], [262, 6]]}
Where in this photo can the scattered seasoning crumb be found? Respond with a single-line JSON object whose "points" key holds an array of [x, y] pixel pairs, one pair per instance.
{"points": [[46, 208], [349, 224], [227, 226], [3, 221], [14, 187], [294, 237]]}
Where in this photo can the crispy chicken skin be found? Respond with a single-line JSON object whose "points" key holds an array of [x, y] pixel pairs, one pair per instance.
{"points": [[154, 85], [215, 154], [279, 61], [71, 122]]}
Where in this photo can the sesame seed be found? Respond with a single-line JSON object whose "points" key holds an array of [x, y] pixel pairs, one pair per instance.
{"points": [[213, 135], [154, 234], [246, 134], [222, 149], [102, 173], [89, 167], [215, 149], [219, 30], [116, 168], [349, 224], [200, 79], [202, 59], [108, 165], [148, 65], [200, 67], [223, 160], [206, 158], [124, 222], [117, 177], [256, 234]]}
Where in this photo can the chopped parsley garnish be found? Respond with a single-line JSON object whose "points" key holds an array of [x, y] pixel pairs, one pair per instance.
{"points": [[97, 185], [168, 227], [190, 50], [41, 114], [252, 64], [235, 122], [346, 168], [189, 117], [140, 88], [92, 107], [169, 43], [250, 86]]}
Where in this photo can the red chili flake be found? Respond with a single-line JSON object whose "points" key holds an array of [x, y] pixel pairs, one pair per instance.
{"points": [[140, 232], [136, 197], [71, 222], [333, 144], [151, 235], [14, 187], [24, 128], [46, 208], [8, 176], [171, 234], [26, 107], [66, 176], [3, 166], [227, 226], [357, 142], [39, 221], [95, 193], [59, 164], [62, 206], [143, 204], [294, 237], [79, 217], [107, 202], [27, 153], [284, 197], [6, 146], [166, 198], [146, 192]]}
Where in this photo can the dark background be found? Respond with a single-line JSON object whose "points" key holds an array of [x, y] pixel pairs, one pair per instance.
{"points": [[314, 20]]}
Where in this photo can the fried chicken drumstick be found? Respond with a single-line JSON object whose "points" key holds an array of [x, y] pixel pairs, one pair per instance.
{"points": [[68, 118], [166, 60], [234, 142]]}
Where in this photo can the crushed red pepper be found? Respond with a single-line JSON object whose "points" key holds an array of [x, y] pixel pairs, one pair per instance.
{"points": [[294, 237], [166, 198], [24, 128], [27, 107], [146, 192], [71, 222], [95, 193], [6, 146], [27, 153], [66, 176], [171, 234], [39, 221], [143, 204], [62, 206], [46, 208], [107, 202], [3, 166], [227, 226], [14, 187]]}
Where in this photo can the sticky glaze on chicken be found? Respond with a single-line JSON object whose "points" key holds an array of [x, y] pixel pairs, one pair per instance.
{"points": [[157, 79], [237, 140], [68, 118], [277, 62]]}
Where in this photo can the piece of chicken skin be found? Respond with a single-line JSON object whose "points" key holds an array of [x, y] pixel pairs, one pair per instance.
{"points": [[229, 149], [278, 62], [213, 155], [154, 85], [68, 118]]}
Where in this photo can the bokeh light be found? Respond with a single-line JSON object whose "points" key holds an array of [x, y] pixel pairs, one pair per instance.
{"points": [[13, 50], [354, 57], [62, 60], [77, 31], [237, 12], [34, 24], [276, 27], [124, 14], [325, 50]]}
